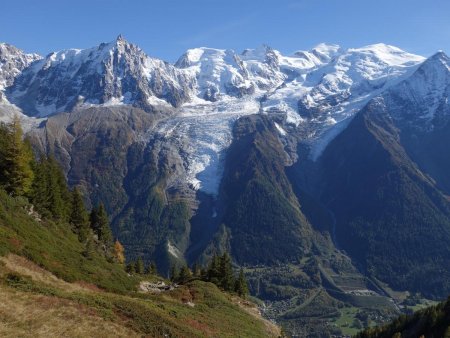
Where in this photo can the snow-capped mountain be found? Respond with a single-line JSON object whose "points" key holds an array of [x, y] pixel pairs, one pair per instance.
{"points": [[314, 93], [109, 74], [327, 96], [218, 72], [12, 62], [422, 100]]}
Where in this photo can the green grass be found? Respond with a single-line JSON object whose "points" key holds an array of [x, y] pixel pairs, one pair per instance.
{"points": [[213, 314], [55, 248], [422, 304], [345, 321]]}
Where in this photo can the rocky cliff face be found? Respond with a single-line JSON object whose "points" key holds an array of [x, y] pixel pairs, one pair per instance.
{"points": [[111, 74], [12, 62]]}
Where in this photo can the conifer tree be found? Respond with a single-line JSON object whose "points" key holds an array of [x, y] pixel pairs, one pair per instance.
{"points": [[100, 225], [185, 274], [226, 273], [213, 270], [240, 286], [139, 266], [49, 192], [130, 268], [153, 268], [4, 145], [17, 157], [79, 216]]}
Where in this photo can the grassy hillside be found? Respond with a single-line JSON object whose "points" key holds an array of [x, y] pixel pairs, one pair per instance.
{"points": [[49, 288], [55, 247]]}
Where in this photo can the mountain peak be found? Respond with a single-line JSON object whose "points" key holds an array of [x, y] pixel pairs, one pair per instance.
{"points": [[258, 53], [387, 54], [440, 55], [325, 52], [439, 61], [12, 62]]}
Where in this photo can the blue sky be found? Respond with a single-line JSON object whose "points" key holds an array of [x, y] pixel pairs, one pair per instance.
{"points": [[165, 29]]}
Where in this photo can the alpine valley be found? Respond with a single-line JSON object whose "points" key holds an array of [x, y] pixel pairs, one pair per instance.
{"points": [[325, 174]]}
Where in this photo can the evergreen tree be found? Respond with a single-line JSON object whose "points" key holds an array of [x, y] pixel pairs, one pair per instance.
{"points": [[240, 286], [4, 145], [49, 192], [185, 274], [130, 268], [213, 274], [119, 252], [100, 225], [79, 216], [226, 277], [93, 221], [153, 268], [16, 160], [139, 266]]}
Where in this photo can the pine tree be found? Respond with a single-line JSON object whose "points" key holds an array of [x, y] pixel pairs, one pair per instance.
{"points": [[226, 273], [16, 161], [153, 268], [240, 286], [213, 274], [119, 252], [100, 225], [4, 145], [49, 192], [130, 268], [139, 266], [185, 274], [79, 216]]}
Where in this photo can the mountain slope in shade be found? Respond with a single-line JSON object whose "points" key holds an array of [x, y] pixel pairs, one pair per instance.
{"points": [[433, 321], [262, 211], [421, 109], [390, 217]]}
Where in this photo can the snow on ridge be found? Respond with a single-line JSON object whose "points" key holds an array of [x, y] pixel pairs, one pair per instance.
{"points": [[280, 129], [320, 89]]}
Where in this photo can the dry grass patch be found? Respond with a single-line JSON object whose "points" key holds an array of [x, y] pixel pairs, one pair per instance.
{"points": [[24, 267], [28, 315]]}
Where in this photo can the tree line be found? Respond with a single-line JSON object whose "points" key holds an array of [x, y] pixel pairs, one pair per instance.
{"points": [[219, 271], [43, 183]]}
